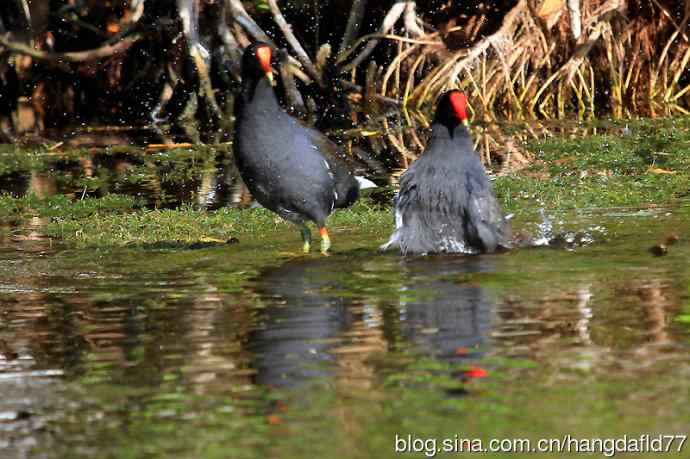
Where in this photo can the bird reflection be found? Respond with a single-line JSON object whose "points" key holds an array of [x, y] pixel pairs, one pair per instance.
{"points": [[300, 323], [320, 315], [445, 310]]}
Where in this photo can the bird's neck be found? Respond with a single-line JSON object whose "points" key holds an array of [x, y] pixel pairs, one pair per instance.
{"points": [[250, 84], [255, 91], [455, 133]]}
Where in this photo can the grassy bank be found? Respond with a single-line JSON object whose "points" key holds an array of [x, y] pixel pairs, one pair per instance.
{"points": [[646, 165], [121, 220]]}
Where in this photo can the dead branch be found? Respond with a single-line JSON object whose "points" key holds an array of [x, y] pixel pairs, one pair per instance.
{"points": [[670, 17], [302, 56], [388, 22], [322, 57], [27, 17], [189, 13], [295, 100], [575, 18], [137, 7], [469, 57], [74, 56], [229, 41], [240, 16], [379, 36], [357, 88], [410, 20], [354, 22], [597, 24]]}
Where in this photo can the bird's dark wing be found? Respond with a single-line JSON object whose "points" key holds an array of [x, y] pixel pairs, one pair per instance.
{"points": [[345, 184], [485, 222]]}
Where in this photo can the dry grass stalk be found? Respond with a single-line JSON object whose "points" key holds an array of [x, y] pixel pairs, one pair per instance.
{"points": [[530, 67]]}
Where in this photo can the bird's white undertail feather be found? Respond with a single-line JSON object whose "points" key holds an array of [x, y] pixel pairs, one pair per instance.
{"points": [[393, 241], [365, 183], [395, 237]]}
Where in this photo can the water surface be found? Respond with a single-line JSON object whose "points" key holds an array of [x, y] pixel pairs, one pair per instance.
{"points": [[251, 350]]}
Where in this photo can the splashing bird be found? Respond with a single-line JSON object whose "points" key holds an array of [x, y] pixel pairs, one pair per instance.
{"points": [[446, 203]]}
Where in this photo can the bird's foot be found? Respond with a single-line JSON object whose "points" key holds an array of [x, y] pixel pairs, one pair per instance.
{"points": [[325, 241]]}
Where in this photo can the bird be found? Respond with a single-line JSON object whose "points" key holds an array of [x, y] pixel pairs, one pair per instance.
{"points": [[291, 169], [446, 203]]}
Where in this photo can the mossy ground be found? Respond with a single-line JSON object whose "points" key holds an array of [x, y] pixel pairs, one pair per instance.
{"points": [[122, 221], [644, 165], [648, 164]]}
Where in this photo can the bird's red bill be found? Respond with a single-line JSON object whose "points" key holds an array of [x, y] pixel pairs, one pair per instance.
{"points": [[264, 55], [459, 102]]}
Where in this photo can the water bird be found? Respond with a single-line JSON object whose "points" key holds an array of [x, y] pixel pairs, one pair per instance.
{"points": [[446, 203], [291, 169]]}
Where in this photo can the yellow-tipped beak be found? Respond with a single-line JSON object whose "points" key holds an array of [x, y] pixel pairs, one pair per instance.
{"points": [[269, 75], [466, 122]]}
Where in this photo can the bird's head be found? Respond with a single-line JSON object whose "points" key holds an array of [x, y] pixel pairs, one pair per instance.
{"points": [[256, 61], [451, 109]]}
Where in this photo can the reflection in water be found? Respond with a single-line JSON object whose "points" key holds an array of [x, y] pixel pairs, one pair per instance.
{"points": [[301, 322], [313, 323], [584, 297], [659, 303], [140, 344], [150, 165], [42, 184], [446, 312]]}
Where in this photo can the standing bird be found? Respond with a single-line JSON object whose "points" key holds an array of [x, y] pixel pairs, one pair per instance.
{"points": [[446, 202], [289, 168]]}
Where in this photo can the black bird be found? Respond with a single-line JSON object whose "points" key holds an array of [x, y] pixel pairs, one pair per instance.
{"points": [[290, 169], [446, 202]]}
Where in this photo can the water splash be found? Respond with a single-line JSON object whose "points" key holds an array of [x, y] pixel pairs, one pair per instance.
{"points": [[544, 234], [549, 233]]}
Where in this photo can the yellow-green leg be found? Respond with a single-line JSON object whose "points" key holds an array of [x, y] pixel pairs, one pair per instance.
{"points": [[325, 240], [306, 238]]}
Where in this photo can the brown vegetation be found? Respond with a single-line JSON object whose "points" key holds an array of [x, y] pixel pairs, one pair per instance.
{"points": [[129, 60]]}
